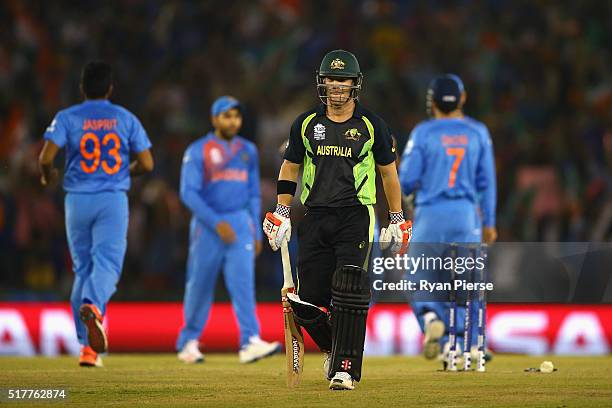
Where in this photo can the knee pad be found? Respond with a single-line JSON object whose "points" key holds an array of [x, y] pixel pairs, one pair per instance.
{"points": [[313, 319], [351, 287], [350, 304]]}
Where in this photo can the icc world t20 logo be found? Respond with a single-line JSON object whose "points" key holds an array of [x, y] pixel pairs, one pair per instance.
{"points": [[319, 132]]}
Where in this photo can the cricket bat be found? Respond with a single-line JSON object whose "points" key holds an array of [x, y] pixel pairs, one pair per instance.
{"points": [[294, 340]]}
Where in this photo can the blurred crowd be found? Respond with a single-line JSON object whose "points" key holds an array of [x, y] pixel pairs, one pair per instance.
{"points": [[537, 73]]}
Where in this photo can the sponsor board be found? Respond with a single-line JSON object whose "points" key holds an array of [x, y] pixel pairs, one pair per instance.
{"points": [[47, 328]]}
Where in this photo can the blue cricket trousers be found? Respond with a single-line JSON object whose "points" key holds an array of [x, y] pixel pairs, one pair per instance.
{"points": [[96, 226]]}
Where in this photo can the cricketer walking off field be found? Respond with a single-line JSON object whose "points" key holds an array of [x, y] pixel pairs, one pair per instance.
{"points": [[340, 144]]}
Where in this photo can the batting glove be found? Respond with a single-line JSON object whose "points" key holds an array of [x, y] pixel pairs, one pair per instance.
{"points": [[277, 226], [397, 235]]}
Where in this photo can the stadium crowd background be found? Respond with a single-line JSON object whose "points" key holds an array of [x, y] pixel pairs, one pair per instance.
{"points": [[537, 73]]}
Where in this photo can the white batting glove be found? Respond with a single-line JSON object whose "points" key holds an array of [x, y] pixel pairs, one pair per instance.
{"points": [[397, 235], [277, 226]]}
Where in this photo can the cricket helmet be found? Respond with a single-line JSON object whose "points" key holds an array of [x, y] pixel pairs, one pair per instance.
{"points": [[339, 64], [445, 92]]}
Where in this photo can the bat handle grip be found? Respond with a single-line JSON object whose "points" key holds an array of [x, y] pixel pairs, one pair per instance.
{"points": [[287, 275]]}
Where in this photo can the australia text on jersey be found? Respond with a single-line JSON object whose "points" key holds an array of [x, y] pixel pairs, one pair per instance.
{"points": [[340, 151]]}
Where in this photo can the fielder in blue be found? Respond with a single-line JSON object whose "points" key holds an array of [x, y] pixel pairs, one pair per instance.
{"points": [[220, 185], [99, 138], [449, 164]]}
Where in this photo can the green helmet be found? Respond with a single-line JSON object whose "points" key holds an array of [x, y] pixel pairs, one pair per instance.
{"points": [[339, 64]]}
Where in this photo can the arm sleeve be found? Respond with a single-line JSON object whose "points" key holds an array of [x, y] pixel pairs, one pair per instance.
{"points": [[486, 181], [57, 132], [191, 183], [411, 167], [295, 146], [139, 141], [384, 152], [254, 193]]}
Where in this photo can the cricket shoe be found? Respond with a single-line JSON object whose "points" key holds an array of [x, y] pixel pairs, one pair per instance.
{"points": [[190, 353], [96, 335], [326, 363], [257, 349], [342, 381], [434, 331], [89, 358]]}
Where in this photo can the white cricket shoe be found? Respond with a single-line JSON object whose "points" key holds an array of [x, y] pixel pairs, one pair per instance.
{"points": [[342, 381], [257, 349], [190, 353], [434, 331], [326, 363]]}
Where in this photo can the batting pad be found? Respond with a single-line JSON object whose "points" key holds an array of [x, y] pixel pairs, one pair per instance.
{"points": [[350, 303]]}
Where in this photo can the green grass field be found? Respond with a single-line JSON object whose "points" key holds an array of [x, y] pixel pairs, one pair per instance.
{"points": [[159, 380]]}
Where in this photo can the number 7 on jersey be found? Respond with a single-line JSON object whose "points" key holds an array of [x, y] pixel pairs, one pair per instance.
{"points": [[458, 153]]}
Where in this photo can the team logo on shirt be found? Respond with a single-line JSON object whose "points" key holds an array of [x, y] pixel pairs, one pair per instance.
{"points": [[216, 156], [319, 132], [245, 157], [352, 134], [337, 64]]}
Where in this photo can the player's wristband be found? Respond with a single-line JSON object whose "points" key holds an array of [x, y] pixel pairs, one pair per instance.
{"points": [[396, 217], [283, 210], [286, 187]]}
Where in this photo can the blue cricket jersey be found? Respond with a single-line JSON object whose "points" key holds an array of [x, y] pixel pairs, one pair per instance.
{"points": [[448, 159], [99, 137], [220, 176]]}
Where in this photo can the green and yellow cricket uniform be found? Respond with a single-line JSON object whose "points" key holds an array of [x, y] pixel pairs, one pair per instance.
{"points": [[338, 190]]}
